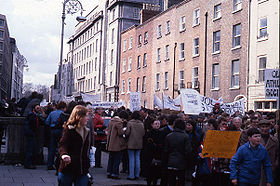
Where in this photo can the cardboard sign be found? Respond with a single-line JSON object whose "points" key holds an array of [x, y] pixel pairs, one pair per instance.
{"points": [[135, 101], [220, 144]]}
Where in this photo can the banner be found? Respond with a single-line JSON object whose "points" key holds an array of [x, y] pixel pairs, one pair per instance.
{"points": [[220, 144], [157, 102], [135, 101], [194, 103], [271, 79], [169, 103], [108, 104], [91, 98]]}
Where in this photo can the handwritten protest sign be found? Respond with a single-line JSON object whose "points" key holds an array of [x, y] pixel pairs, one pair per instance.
{"points": [[220, 144], [191, 101], [135, 102]]}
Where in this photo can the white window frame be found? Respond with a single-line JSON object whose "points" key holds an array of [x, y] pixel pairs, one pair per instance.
{"points": [[215, 76], [182, 51], [138, 84], [168, 27], [145, 60], [216, 42], [262, 28], [181, 83], [235, 74], [124, 45], [195, 76], [237, 5], [112, 56], [157, 81], [196, 17], [195, 47], [113, 35], [261, 69], [166, 80], [182, 23], [130, 43], [167, 52], [217, 11], [128, 85], [129, 64], [145, 37], [111, 78], [123, 65], [138, 62], [159, 33], [144, 84], [123, 86], [158, 55], [236, 36]]}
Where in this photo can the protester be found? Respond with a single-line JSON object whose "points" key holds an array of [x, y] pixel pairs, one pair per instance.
{"points": [[74, 148], [152, 154], [134, 132], [115, 143], [55, 133], [245, 166]]}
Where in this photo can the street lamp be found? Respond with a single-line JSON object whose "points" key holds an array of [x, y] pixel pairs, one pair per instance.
{"points": [[71, 7]]}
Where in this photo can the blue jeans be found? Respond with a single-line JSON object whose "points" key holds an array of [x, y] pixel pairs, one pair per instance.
{"points": [[54, 139], [68, 179], [134, 163], [31, 147], [114, 163]]}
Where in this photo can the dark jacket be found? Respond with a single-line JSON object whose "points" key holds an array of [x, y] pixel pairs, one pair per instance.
{"points": [[98, 125], [178, 150], [72, 144]]}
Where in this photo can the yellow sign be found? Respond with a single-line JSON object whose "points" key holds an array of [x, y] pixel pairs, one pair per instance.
{"points": [[220, 144]]}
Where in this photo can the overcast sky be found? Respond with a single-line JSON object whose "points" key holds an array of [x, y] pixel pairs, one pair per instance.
{"points": [[36, 26]]}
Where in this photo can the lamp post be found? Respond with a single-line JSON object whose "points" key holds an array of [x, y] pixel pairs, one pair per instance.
{"points": [[71, 7]]}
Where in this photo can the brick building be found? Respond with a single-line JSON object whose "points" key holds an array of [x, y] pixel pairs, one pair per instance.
{"points": [[193, 45]]}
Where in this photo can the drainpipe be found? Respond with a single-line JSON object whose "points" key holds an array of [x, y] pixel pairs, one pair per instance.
{"points": [[205, 55], [174, 64], [248, 62]]}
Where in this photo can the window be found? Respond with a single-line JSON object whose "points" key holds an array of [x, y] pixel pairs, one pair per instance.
{"points": [[113, 33], [145, 37], [94, 83], [262, 67], [196, 17], [136, 13], [111, 78], [235, 73], [144, 84], [97, 26], [217, 11], [113, 14], [123, 86], [130, 43], [181, 79], [195, 77], [137, 84], [196, 46], [129, 64], [215, 76], [1, 34], [123, 66], [158, 55], [145, 60], [89, 70], [96, 47], [1, 22], [216, 41], [157, 81], [139, 40], [166, 80], [236, 35], [138, 62], [129, 85], [182, 23], [112, 57], [182, 51], [95, 64], [1, 45], [124, 45], [263, 27], [167, 27], [166, 52], [90, 50], [159, 31], [237, 5]]}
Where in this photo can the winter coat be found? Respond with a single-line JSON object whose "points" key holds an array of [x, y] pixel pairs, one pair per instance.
{"points": [[98, 125], [245, 165], [115, 139], [178, 149], [72, 144], [135, 132], [272, 147], [151, 150]]}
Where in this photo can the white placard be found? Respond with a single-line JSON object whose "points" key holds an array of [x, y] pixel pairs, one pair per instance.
{"points": [[135, 101], [271, 79]]}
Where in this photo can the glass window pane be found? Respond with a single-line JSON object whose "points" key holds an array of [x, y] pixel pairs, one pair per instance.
{"points": [[263, 22], [262, 63], [267, 105]]}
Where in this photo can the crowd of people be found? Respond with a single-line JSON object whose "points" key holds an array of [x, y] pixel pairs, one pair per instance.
{"points": [[164, 148]]}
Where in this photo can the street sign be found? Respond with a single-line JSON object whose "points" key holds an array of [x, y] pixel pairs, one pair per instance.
{"points": [[271, 80]]}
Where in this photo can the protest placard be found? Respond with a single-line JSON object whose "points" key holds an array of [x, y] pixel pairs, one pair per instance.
{"points": [[135, 101], [220, 144], [271, 79]]}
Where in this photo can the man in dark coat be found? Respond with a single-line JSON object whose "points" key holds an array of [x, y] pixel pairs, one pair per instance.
{"points": [[178, 150]]}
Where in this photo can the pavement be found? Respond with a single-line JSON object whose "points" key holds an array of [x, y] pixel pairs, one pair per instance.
{"points": [[16, 175]]}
